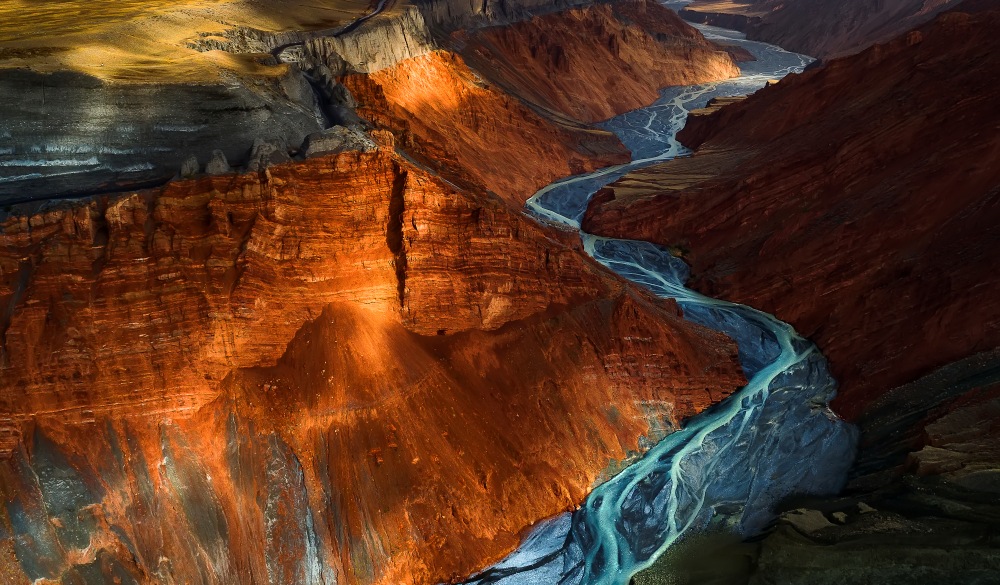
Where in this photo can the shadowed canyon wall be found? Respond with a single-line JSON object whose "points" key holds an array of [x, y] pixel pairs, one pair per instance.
{"points": [[920, 507], [858, 201]]}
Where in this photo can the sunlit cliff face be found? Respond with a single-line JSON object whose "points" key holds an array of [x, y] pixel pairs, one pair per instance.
{"points": [[449, 105], [151, 41], [230, 377]]}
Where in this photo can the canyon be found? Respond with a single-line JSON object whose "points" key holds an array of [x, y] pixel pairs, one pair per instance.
{"points": [[857, 201], [349, 320], [107, 133], [436, 291], [355, 360], [893, 268]]}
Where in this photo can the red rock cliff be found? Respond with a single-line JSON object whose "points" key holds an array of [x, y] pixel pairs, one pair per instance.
{"points": [[343, 368], [858, 201], [446, 114]]}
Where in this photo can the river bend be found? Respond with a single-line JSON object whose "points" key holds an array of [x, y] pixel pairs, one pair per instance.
{"points": [[730, 466]]}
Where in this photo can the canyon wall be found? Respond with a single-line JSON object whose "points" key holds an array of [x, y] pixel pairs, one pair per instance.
{"points": [[337, 370], [857, 201], [382, 42], [442, 112], [549, 60], [820, 28], [450, 15]]}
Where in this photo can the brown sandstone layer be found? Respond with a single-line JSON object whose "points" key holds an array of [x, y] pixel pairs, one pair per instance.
{"points": [[858, 201], [551, 60], [339, 369]]}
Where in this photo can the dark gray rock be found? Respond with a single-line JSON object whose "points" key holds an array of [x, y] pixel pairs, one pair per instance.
{"points": [[218, 164], [381, 43], [189, 167], [337, 139], [68, 134], [265, 153], [921, 509]]}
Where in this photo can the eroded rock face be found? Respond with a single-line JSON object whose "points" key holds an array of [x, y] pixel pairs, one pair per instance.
{"points": [[341, 369], [857, 201], [382, 43], [445, 113], [455, 14], [549, 60], [509, 86]]}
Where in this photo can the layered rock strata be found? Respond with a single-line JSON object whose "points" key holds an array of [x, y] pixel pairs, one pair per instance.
{"points": [[337, 370], [857, 201], [65, 134]]}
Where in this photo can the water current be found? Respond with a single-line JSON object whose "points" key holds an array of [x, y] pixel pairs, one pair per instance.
{"points": [[728, 467]]}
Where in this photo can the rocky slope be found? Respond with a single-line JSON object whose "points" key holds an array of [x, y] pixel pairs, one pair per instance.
{"points": [[338, 370], [442, 112], [99, 135], [821, 28], [858, 201], [548, 59]]}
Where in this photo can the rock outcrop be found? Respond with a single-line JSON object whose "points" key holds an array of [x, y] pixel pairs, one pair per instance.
{"points": [[337, 370], [858, 201], [451, 15], [382, 43], [741, 16]]}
